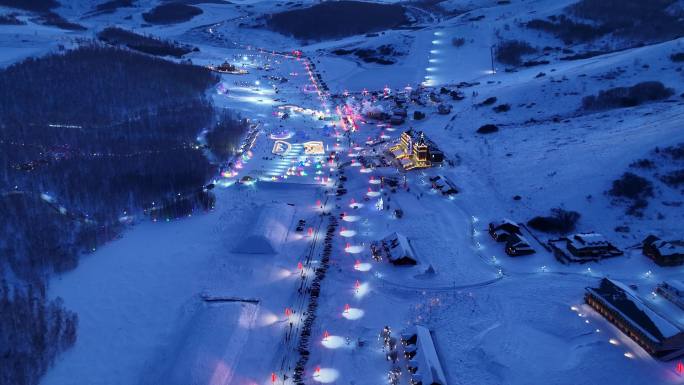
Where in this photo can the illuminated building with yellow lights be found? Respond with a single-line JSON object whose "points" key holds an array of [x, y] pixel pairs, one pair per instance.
{"points": [[414, 152]]}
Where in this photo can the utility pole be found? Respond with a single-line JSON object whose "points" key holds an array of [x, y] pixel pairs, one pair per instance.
{"points": [[491, 55]]}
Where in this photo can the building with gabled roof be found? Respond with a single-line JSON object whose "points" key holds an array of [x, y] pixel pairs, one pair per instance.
{"points": [[583, 247], [396, 248], [651, 324], [663, 253]]}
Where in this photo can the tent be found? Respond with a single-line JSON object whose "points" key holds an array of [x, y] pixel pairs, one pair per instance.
{"points": [[268, 231]]}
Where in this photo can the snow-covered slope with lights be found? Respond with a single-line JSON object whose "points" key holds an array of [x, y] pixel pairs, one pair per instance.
{"points": [[174, 303]]}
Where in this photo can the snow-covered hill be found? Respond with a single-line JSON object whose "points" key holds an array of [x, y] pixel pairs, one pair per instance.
{"points": [[495, 319]]}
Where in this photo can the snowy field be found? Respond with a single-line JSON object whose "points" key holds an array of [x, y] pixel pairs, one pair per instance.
{"points": [[143, 302]]}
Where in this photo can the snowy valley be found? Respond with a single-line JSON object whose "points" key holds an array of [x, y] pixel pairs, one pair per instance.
{"points": [[284, 193]]}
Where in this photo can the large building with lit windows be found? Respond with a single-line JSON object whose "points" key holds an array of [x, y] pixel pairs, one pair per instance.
{"points": [[653, 322], [415, 151]]}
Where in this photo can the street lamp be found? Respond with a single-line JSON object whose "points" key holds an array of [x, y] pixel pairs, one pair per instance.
{"points": [[491, 55]]}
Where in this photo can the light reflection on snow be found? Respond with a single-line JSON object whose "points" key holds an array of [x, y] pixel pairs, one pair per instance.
{"points": [[363, 266], [351, 218], [362, 290], [333, 342], [326, 375], [353, 313], [267, 318], [355, 249], [347, 233], [221, 374]]}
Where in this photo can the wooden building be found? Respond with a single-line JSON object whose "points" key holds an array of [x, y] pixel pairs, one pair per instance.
{"points": [[655, 329], [396, 248], [502, 230], [583, 247], [664, 253], [517, 245]]}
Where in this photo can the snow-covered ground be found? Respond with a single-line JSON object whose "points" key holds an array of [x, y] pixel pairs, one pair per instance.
{"points": [[495, 319]]}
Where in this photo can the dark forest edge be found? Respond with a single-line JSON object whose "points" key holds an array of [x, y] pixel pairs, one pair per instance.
{"points": [[337, 19], [145, 44], [108, 142]]}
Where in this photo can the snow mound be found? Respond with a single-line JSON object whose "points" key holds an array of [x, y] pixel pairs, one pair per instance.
{"points": [[268, 231]]}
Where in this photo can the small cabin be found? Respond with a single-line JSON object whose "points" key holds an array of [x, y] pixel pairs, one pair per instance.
{"points": [[663, 253], [583, 247], [517, 245], [502, 230]]}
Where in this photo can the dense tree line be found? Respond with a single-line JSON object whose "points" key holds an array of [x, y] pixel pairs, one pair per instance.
{"points": [[112, 5], [224, 137], [629, 19], [33, 330], [95, 85], [31, 5], [146, 44], [620, 97], [337, 18], [511, 51], [108, 133], [171, 13]]}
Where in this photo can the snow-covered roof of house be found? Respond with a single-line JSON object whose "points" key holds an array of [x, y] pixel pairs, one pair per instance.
{"points": [[505, 221], [430, 368], [589, 239], [625, 301], [399, 247], [666, 248], [268, 231]]}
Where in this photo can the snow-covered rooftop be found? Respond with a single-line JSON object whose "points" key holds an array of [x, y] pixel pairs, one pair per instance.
{"points": [[589, 239], [268, 231], [398, 247], [626, 301], [430, 367]]}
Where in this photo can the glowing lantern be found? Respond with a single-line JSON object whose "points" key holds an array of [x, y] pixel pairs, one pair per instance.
{"points": [[318, 370], [288, 312], [346, 308], [310, 231], [300, 266], [679, 368], [326, 335], [273, 377]]}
